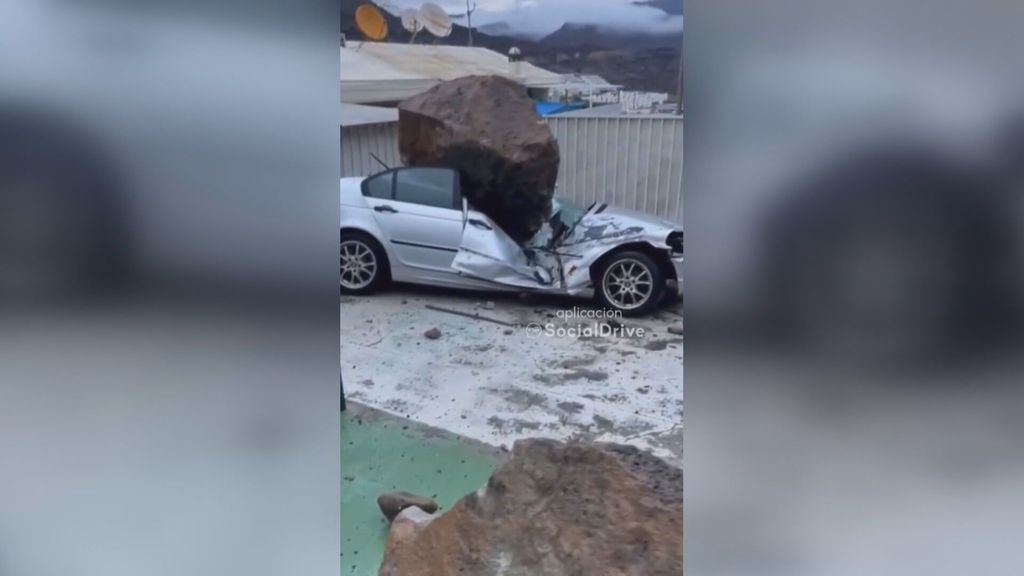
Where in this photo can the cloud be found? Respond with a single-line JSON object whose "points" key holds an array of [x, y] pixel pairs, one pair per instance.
{"points": [[541, 17]]}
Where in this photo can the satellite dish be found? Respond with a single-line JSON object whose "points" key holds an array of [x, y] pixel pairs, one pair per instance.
{"points": [[371, 22], [411, 20], [435, 20]]}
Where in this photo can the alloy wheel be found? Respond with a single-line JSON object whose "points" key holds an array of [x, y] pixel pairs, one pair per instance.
{"points": [[358, 265], [628, 284]]}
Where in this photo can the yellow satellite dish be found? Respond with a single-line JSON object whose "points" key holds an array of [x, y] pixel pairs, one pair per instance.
{"points": [[371, 22]]}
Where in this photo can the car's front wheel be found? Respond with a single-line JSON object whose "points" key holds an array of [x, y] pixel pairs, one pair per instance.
{"points": [[631, 283], [363, 264]]}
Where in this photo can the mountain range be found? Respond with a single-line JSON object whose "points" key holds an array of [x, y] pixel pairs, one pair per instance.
{"points": [[635, 59]]}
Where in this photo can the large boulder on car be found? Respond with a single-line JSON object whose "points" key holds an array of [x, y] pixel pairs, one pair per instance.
{"points": [[488, 129], [552, 509]]}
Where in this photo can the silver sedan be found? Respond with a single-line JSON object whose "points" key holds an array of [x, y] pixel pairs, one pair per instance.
{"points": [[413, 225]]}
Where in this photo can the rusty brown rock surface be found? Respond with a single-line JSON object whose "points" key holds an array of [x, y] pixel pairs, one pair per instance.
{"points": [[555, 509], [488, 129]]}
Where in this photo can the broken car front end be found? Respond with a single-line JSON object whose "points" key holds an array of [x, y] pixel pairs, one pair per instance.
{"points": [[560, 258]]}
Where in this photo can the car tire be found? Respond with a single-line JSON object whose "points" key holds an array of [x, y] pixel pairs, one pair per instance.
{"points": [[369, 269], [630, 283]]}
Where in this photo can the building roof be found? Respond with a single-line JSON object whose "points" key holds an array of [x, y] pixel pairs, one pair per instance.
{"points": [[612, 111], [358, 115], [389, 72], [584, 83]]}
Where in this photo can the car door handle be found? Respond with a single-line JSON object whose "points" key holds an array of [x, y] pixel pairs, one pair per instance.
{"points": [[385, 208], [480, 224]]}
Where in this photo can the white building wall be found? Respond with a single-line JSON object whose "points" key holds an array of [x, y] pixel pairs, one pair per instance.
{"points": [[633, 162]]}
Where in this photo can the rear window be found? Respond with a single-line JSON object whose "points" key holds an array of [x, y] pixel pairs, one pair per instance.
{"points": [[378, 186], [427, 186]]}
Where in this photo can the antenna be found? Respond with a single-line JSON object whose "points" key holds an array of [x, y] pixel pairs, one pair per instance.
{"points": [[469, 20], [371, 22], [411, 22], [379, 161], [435, 20]]}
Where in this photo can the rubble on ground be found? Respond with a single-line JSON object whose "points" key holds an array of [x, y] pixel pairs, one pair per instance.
{"points": [[432, 334], [487, 128], [552, 509], [392, 503]]}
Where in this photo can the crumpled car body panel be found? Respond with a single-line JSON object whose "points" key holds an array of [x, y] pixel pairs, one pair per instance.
{"points": [[561, 267]]}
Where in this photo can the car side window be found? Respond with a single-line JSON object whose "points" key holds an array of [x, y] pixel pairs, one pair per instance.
{"points": [[379, 186], [427, 186]]}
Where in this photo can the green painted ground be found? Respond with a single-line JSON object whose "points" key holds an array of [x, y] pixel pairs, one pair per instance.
{"points": [[381, 453]]}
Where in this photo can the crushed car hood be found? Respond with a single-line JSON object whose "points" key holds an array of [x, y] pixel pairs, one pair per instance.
{"points": [[605, 224], [561, 265]]}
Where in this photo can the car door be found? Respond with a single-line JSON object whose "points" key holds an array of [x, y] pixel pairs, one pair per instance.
{"points": [[421, 218], [488, 253]]}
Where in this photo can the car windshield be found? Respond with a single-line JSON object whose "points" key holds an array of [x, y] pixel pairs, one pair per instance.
{"points": [[567, 212]]}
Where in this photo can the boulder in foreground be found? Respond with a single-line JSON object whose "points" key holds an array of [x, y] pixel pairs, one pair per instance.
{"points": [[554, 509]]}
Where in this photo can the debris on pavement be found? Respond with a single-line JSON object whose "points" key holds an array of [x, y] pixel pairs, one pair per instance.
{"points": [[677, 330], [496, 387], [469, 315], [614, 510], [392, 503], [432, 334], [486, 128]]}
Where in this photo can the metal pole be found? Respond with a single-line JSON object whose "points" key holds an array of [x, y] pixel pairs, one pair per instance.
{"points": [[679, 98]]}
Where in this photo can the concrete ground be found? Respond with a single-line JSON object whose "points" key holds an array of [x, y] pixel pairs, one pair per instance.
{"points": [[532, 372]]}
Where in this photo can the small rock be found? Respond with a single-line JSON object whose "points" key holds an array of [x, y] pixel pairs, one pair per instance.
{"points": [[508, 332], [432, 334], [677, 330], [404, 301], [392, 503]]}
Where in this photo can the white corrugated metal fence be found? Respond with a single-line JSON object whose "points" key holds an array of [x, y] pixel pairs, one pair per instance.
{"points": [[633, 162], [358, 142]]}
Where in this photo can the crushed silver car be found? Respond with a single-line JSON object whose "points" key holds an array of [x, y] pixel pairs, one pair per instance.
{"points": [[413, 225]]}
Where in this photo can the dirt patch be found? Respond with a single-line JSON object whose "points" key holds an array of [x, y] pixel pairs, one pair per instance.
{"points": [[516, 425], [572, 375], [519, 398], [657, 345], [571, 407]]}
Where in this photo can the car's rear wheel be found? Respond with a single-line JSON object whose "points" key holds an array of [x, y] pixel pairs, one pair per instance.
{"points": [[364, 265], [631, 283]]}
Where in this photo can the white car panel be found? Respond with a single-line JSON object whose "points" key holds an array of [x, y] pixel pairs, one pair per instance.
{"points": [[466, 249]]}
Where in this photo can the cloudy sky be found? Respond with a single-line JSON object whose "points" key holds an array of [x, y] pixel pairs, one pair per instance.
{"points": [[539, 17]]}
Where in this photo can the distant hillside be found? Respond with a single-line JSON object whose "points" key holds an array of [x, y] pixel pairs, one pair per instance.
{"points": [[583, 36], [633, 60]]}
